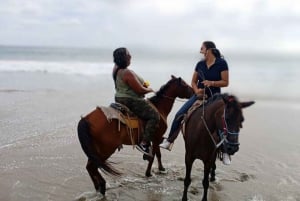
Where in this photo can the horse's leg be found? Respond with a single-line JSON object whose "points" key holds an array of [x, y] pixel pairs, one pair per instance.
{"points": [[213, 169], [151, 159], [150, 162], [160, 165], [187, 180], [205, 181], [213, 172], [98, 180]]}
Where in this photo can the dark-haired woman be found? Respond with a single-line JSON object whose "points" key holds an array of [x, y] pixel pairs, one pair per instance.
{"points": [[130, 91], [209, 76]]}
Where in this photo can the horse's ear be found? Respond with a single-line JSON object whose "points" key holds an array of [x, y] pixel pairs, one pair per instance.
{"points": [[173, 77], [246, 104]]}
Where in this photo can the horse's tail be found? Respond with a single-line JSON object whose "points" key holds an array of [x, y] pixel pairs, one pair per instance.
{"points": [[85, 139]]}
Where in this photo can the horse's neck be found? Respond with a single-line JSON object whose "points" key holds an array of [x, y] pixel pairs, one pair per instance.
{"points": [[164, 105], [211, 111]]}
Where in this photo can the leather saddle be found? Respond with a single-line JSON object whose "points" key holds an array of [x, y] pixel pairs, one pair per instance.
{"points": [[130, 119]]}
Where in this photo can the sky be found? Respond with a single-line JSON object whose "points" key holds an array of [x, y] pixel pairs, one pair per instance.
{"points": [[240, 25]]}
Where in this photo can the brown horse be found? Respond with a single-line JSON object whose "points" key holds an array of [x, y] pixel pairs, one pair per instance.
{"points": [[99, 138], [209, 130]]}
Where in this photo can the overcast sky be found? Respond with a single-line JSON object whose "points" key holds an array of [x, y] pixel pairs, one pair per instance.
{"points": [[178, 24]]}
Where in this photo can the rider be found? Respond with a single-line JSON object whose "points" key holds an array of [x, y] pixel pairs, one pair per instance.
{"points": [[130, 91], [209, 76]]}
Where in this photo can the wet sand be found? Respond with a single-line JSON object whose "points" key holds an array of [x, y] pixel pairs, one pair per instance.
{"points": [[41, 158]]}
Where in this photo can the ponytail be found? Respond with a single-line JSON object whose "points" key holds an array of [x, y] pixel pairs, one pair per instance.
{"points": [[115, 74], [216, 53]]}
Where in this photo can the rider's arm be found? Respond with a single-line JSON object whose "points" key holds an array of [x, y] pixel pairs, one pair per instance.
{"points": [[195, 84], [132, 81], [224, 82]]}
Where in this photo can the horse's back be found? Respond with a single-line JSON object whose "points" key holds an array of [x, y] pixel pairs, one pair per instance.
{"points": [[96, 118]]}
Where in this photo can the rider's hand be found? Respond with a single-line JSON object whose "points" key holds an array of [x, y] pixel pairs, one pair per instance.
{"points": [[207, 83], [150, 90], [200, 93]]}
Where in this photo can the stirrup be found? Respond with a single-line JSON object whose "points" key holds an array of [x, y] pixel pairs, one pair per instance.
{"points": [[166, 144]]}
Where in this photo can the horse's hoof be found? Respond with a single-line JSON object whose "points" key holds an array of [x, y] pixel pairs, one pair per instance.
{"points": [[102, 189], [148, 174], [212, 179], [162, 169]]}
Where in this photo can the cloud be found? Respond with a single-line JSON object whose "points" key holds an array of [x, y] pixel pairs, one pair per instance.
{"points": [[169, 24]]}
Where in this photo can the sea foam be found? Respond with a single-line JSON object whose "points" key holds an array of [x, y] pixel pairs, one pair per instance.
{"points": [[62, 67]]}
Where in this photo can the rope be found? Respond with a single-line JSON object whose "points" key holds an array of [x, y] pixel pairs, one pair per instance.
{"points": [[210, 134], [172, 98]]}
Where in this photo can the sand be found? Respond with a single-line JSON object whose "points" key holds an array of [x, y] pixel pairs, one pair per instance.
{"points": [[41, 158]]}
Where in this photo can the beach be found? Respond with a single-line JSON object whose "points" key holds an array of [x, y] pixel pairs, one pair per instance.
{"points": [[42, 160]]}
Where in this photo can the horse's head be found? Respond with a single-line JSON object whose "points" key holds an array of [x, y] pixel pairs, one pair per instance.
{"points": [[231, 121], [166, 95], [180, 88]]}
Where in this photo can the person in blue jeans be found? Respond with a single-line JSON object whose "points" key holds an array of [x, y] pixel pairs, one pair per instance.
{"points": [[210, 73]]}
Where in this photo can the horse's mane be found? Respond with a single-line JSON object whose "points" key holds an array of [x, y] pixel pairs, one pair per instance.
{"points": [[154, 99], [225, 96], [212, 99]]}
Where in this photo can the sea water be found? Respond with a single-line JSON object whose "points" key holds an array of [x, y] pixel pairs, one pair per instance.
{"points": [[263, 75], [37, 127]]}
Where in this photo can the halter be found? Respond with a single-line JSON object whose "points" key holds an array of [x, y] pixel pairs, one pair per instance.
{"points": [[226, 131], [222, 133]]}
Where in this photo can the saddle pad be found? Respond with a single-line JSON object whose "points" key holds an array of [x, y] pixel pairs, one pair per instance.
{"points": [[111, 113]]}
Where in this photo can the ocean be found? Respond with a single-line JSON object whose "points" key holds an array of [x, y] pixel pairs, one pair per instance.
{"points": [[45, 90], [254, 74]]}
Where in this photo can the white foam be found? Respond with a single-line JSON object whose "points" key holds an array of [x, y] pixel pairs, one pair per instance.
{"points": [[257, 198], [62, 67]]}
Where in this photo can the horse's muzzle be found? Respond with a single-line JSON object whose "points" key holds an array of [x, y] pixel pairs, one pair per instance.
{"points": [[232, 148]]}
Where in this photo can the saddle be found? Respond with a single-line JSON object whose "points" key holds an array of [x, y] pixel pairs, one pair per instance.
{"points": [[121, 113], [198, 103], [130, 119], [125, 116]]}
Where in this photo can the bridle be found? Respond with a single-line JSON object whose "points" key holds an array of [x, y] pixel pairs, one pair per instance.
{"points": [[226, 132], [169, 97], [223, 133], [172, 98]]}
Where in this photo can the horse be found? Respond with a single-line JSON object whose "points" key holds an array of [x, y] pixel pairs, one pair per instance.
{"points": [[99, 138], [208, 131]]}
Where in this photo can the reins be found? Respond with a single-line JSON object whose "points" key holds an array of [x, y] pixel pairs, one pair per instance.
{"points": [[211, 136], [222, 134], [217, 145], [171, 98]]}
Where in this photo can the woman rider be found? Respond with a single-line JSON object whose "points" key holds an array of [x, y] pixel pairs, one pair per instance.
{"points": [[209, 76], [130, 91]]}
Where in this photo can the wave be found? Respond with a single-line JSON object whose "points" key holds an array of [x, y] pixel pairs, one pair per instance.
{"points": [[61, 67]]}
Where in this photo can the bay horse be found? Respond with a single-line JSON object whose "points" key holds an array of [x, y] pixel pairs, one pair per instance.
{"points": [[209, 130], [99, 138]]}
